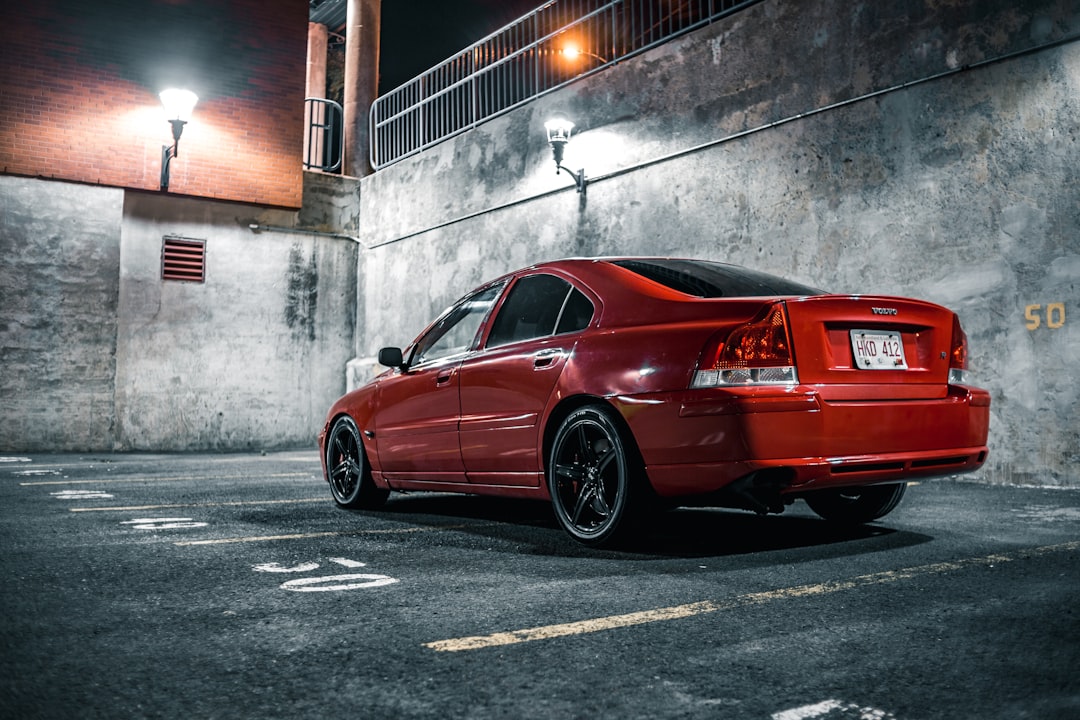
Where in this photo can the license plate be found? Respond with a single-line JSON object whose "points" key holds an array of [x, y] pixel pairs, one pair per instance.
{"points": [[877, 350]]}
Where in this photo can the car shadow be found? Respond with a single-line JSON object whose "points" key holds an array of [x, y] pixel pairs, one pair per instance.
{"points": [[529, 527], [713, 532]]}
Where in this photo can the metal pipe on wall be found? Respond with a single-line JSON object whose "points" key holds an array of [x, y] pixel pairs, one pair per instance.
{"points": [[363, 21], [316, 87]]}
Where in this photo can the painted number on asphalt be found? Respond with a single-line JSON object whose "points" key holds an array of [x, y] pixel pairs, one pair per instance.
{"points": [[833, 710], [327, 583]]}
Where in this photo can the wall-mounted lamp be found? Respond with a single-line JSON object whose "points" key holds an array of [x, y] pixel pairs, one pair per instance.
{"points": [[558, 135], [178, 106]]}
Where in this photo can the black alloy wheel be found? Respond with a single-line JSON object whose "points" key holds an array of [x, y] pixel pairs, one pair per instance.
{"points": [[347, 469], [854, 506], [591, 475]]}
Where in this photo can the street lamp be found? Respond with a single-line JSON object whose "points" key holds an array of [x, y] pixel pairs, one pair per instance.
{"points": [[572, 52], [178, 105], [558, 135]]}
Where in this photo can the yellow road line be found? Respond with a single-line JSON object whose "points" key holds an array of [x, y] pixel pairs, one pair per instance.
{"points": [[305, 536], [581, 627], [237, 503], [109, 481]]}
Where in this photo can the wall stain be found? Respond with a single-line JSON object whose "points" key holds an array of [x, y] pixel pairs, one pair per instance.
{"points": [[302, 295]]}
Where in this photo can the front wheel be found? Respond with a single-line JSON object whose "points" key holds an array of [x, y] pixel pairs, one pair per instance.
{"points": [[347, 469], [854, 506], [591, 474]]}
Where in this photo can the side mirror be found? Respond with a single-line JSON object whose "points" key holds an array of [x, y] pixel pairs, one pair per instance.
{"points": [[391, 357]]}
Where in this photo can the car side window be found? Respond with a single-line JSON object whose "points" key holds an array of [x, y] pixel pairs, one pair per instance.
{"points": [[537, 307], [456, 332], [576, 315]]}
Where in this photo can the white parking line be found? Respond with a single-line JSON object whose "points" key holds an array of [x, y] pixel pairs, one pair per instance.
{"points": [[81, 495], [237, 503], [169, 523], [341, 533], [176, 478], [581, 627], [261, 538]]}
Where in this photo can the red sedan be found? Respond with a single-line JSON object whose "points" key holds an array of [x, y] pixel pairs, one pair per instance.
{"points": [[613, 387]]}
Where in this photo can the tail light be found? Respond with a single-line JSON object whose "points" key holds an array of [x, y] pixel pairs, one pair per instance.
{"points": [[757, 353], [958, 354]]}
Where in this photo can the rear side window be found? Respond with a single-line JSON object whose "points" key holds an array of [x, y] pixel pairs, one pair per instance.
{"points": [[576, 314], [539, 306], [705, 279]]}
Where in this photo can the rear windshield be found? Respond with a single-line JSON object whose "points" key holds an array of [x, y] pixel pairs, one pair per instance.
{"points": [[705, 279]]}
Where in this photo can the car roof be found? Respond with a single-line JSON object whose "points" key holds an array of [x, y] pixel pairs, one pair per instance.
{"points": [[629, 296], [674, 278]]}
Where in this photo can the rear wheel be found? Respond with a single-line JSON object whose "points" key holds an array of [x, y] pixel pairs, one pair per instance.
{"points": [[854, 506], [591, 477], [347, 469]]}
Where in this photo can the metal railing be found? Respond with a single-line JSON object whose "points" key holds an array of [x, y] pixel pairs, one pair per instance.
{"points": [[558, 42], [325, 139]]}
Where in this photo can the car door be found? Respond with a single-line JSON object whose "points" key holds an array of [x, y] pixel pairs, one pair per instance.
{"points": [[417, 424], [506, 386]]}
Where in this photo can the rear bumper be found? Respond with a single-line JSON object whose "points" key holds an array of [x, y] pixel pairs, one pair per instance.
{"points": [[698, 442]]}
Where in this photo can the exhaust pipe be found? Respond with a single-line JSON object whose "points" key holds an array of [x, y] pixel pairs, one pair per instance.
{"points": [[760, 490]]}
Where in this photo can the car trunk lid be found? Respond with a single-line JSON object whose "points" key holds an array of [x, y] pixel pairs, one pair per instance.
{"points": [[862, 347]]}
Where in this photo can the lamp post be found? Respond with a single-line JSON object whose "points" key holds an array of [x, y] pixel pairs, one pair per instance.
{"points": [[178, 106], [558, 135], [572, 52]]}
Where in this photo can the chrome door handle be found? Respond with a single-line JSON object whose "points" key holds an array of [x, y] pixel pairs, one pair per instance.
{"points": [[547, 358]]}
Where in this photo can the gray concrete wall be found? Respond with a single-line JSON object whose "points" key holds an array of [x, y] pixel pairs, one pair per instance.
{"points": [[251, 358], [915, 148], [99, 353], [59, 252]]}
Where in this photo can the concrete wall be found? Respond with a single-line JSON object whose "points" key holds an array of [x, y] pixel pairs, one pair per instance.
{"points": [[915, 148], [100, 353], [251, 358], [59, 254]]}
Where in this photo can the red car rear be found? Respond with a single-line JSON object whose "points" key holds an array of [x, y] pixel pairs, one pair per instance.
{"points": [[616, 386]]}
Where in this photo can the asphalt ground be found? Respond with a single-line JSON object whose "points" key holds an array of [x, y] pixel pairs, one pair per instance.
{"points": [[230, 586]]}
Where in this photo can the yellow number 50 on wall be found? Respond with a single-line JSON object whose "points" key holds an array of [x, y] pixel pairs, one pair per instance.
{"points": [[1055, 316]]}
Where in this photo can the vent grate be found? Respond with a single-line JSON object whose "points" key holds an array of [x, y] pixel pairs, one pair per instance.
{"points": [[183, 259]]}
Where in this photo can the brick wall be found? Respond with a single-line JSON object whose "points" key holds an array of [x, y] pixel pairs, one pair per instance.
{"points": [[79, 85]]}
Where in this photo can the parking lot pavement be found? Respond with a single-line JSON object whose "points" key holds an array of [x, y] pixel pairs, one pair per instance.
{"points": [[229, 586]]}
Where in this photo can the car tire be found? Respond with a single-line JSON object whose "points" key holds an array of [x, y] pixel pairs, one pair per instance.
{"points": [[593, 478], [347, 469], [854, 506]]}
